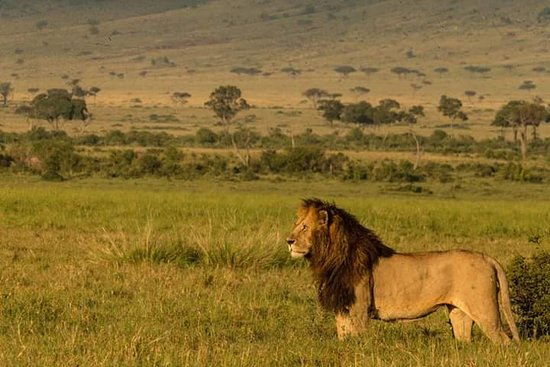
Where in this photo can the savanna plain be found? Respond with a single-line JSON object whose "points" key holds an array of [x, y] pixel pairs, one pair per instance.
{"points": [[164, 273]]}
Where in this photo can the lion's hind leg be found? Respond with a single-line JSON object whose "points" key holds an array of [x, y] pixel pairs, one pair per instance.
{"points": [[488, 320], [461, 323]]}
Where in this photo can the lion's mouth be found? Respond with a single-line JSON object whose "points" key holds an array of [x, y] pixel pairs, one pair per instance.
{"points": [[296, 253]]}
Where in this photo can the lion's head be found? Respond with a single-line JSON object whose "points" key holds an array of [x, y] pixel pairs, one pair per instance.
{"points": [[340, 250], [310, 223]]}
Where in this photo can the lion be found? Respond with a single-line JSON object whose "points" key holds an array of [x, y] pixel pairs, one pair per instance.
{"points": [[359, 278]]}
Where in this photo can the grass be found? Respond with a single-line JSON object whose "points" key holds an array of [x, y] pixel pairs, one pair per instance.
{"points": [[131, 273]]}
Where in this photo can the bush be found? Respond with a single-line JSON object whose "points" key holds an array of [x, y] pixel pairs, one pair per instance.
{"points": [[5, 160], [206, 136], [389, 171], [57, 158], [517, 172], [530, 293], [357, 171], [297, 160]]}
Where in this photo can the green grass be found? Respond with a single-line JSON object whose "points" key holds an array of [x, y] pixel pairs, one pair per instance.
{"points": [[130, 273]]}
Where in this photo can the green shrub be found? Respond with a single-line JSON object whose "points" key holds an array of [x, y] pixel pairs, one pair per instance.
{"points": [[357, 171], [443, 172], [389, 171], [57, 157], [5, 160], [517, 172], [206, 136], [530, 293], [297, 160]]}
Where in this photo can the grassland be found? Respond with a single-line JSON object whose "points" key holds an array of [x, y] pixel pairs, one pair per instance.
{"points": [[172, 273]]}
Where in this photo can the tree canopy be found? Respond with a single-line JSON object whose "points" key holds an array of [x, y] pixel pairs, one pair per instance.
{"points": [[56, 104], [5, 91], [226, 102], [451, 108], [519, 115]]}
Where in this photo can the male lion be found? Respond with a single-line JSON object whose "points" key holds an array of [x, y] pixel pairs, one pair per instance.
{"points": [[359, 278]]}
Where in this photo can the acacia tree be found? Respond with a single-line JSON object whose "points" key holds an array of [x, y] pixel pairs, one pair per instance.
{"points": [[386, 111], [315, 95], [54, 105], [345, 70], [400, 71], [93, 91], [359, 91], [519, 115], [291, 71], [369, 70], [226, 102], [180, 98], [451, 108], [332, 109], [5, 90], [470, 94], [441, 70]]}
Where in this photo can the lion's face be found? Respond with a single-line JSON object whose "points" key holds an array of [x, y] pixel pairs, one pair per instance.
{"points": [[301, 239]]}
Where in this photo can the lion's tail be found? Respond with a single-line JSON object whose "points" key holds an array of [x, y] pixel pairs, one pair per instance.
{"points": [[505, 300]]}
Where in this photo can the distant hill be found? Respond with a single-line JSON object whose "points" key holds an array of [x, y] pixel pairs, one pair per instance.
{"points": [[275, 49]]}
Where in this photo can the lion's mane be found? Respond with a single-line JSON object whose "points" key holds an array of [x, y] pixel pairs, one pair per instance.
{"points": [[344, 252]]}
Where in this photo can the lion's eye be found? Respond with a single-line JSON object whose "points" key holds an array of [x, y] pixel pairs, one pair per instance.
{"points": [[304, 227]]}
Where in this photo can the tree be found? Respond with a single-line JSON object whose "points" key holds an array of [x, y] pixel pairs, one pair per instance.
{"points": [[332, 109], [56, 104], [93, 91], [240, 70], [359, 91], [411, 118], [477, 69], [314, 95], [180, 97], [451, 108], [470, 94], [291, 71], [5, 90], [345, 70], [441, 70], [226, 102], [527, 85], [519, 115], [386, 112], [544, 15], [359, 113], [400, 71], [369, 70]]}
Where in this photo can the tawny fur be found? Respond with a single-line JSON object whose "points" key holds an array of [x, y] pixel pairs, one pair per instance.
{"points": [[360, 278]]}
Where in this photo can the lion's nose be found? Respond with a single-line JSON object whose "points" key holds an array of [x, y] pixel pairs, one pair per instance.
{"points": [[290, 241]]}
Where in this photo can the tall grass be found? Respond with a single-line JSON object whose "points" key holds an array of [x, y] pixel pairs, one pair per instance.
{"points": [[224, 240]]}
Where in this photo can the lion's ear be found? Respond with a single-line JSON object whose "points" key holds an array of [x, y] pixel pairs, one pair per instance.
{"points": [[323, 217]]}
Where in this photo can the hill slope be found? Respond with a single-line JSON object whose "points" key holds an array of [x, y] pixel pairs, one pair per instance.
{"points": [[153, 48]]}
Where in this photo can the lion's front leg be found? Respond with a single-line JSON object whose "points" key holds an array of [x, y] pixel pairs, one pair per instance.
{"points": [[351, 323], [355, 319], [344, 326]]}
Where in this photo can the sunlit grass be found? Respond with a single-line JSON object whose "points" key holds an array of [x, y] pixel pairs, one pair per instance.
{"points": [[133, 273]]}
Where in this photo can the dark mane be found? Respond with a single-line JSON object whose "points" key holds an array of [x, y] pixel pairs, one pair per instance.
{"points": [[343, 253]]}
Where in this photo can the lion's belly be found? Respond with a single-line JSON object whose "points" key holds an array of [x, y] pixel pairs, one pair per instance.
{"points": [[407, 287]]}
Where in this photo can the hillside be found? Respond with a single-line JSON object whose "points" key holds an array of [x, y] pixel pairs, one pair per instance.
{"points": [[151, 49]]}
